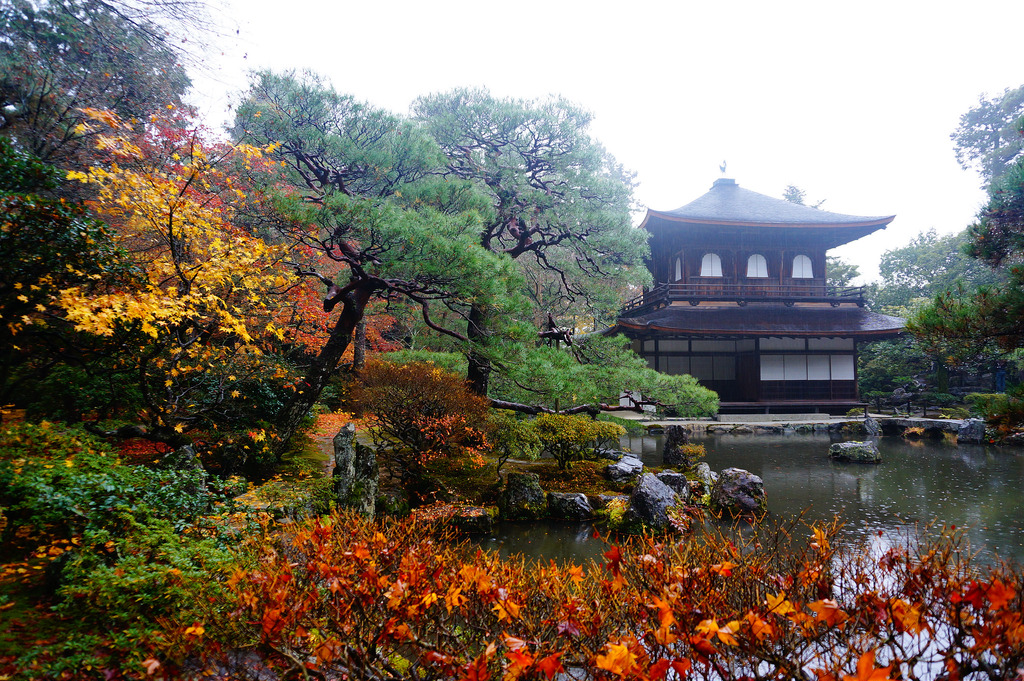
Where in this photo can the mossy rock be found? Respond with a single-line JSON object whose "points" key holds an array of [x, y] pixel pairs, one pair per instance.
{"points": [[617, 516], [855, 452], [522, 497]]}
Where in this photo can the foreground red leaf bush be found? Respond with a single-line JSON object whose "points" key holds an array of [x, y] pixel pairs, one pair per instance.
{"points": [[342, 598]]}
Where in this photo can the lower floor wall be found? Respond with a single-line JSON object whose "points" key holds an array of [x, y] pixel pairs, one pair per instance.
{"points": [[766, 369]]}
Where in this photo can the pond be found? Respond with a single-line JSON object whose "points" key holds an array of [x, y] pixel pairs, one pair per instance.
{"points": [[974, 487]]}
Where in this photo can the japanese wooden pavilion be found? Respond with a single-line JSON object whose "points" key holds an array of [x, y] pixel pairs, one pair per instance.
{"points": [[741, 302]]}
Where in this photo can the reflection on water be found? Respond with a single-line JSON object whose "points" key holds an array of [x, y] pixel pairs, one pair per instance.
{"points": [[918, 482], [559, 541]]}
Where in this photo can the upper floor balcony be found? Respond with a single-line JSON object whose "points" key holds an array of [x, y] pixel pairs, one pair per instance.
{"points": [[708, 289]]}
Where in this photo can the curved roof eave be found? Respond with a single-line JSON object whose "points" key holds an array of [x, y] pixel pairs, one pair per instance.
{"points": [[773, 320]]}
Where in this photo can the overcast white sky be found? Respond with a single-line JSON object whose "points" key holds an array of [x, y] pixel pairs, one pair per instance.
{"points": [[852, 102]]}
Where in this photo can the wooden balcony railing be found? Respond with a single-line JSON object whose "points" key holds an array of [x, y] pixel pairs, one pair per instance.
{"points": [[710, 291]]}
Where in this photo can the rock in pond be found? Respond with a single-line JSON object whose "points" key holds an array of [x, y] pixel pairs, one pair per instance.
{"points": [[624, 469], [674, 453], [855, 452], [569, 506], [522, 497], [971, 430], [738, 492], [872, 427], [678, 482], [650, 501]]}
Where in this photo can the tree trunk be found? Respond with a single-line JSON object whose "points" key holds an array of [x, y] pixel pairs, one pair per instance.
{"points": [[324, 364], [479, 372], [359, 349]]}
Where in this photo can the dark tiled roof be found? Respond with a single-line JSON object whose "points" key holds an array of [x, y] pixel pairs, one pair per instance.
{"points": [[765, 320], [728, 203]]}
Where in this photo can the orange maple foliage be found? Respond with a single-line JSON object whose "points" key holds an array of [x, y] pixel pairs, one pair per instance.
{"points": [[866, 670], [393, 593]]}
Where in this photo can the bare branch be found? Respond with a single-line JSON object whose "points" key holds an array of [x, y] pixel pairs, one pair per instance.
{"points": [[425, 312]]}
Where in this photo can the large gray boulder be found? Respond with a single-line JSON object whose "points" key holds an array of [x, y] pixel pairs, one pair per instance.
{"points": [[569, 506], [355, 473], [678, 482], [674, 452], [522, 497], [972, 431], [855, 452], [625, 469], [650, 501], [738, 492]]}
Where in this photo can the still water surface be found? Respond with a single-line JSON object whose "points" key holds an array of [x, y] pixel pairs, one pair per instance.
{"points": [[978, 488]]}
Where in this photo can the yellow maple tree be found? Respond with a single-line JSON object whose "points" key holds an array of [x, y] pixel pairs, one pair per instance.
{"points": [[201, 310]]}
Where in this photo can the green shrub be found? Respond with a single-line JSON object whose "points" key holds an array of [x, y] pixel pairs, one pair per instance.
{"points": [[512, 437], [984, 405], [1004, 412], [65, 481], [607, 435], [955, 413], [148, 590], [140, 554], [569, 438], [151, 571]]}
